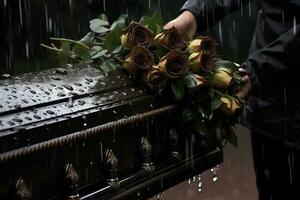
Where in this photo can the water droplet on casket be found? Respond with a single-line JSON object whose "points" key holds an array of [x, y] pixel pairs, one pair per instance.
{"points": [[61, 71], [28, 118], [17, 120], [24, 101], [61, 94], [78, 84], [68, 87], [37, 116], [81, 102], [89, 79], [50, 112]]}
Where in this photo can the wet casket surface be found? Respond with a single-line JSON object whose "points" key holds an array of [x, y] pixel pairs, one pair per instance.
{"points": [[76, 133]]}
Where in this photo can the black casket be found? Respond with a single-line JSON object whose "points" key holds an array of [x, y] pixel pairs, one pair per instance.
{"points": [[76, 133]]}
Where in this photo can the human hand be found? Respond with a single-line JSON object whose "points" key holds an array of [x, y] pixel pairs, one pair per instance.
{"points": [[246, 85], [186, 23]]}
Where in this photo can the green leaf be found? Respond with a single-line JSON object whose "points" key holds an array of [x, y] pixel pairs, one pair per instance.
{"points": [[215, 103], [237, 78], [215, 132], [88, 39], [157, 19], [120, 22], [200, 126], [108, 65], [112, 39], [187, 115], [154, 23], [81, 51], [178, 90], [100, 22], [97, 26], [190, 80], [64, 55], [226, 64], [97, 52], [117, 50], [231, 136], [205, 110], [145, 20]]}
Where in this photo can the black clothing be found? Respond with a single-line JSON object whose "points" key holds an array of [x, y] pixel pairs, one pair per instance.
{"points": [[272, 60], [274, 52], [274, 108]]}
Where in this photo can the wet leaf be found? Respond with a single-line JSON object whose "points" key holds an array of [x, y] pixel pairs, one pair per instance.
{"points": [[108, 65], [154, 23], [120, 22], [226, 64], [215, 103], [190, 81], [97, 52], [81, 51], [88, 39], [117, 50], [231, 136], [205, 110], [178, 90], [112, 39], [98, 26], [187, 115], [215, 132]]}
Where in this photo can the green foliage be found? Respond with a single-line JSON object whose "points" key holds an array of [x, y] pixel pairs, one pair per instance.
{"points": [[190, 80], [99, 26], [230, 135], [109, 65], [112, 39], [178, 90], [88, 39], [232, 67], [154, 23], [120, 22], [188, 114], [97, 52], [215, 103]]}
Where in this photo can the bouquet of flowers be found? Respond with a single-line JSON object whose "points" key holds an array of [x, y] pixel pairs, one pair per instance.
{"points": [[165, 59]]}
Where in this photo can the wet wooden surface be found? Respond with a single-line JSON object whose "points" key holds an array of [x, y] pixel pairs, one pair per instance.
{"points": [[236, 178]]}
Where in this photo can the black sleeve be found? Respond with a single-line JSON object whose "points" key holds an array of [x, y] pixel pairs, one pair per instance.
{"points": [[276, 64], [208, 12]]}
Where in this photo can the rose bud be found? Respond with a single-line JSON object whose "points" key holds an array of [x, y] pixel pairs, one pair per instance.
{"points": [[155, 78], [174, 64], [200, 62], [230, 106], [136, 34], [138, 59], [170, 39], [200, 92], [222, 79], [204, 43]]}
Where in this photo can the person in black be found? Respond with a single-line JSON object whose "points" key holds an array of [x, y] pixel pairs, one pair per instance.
{"points": [[271, 87]]}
